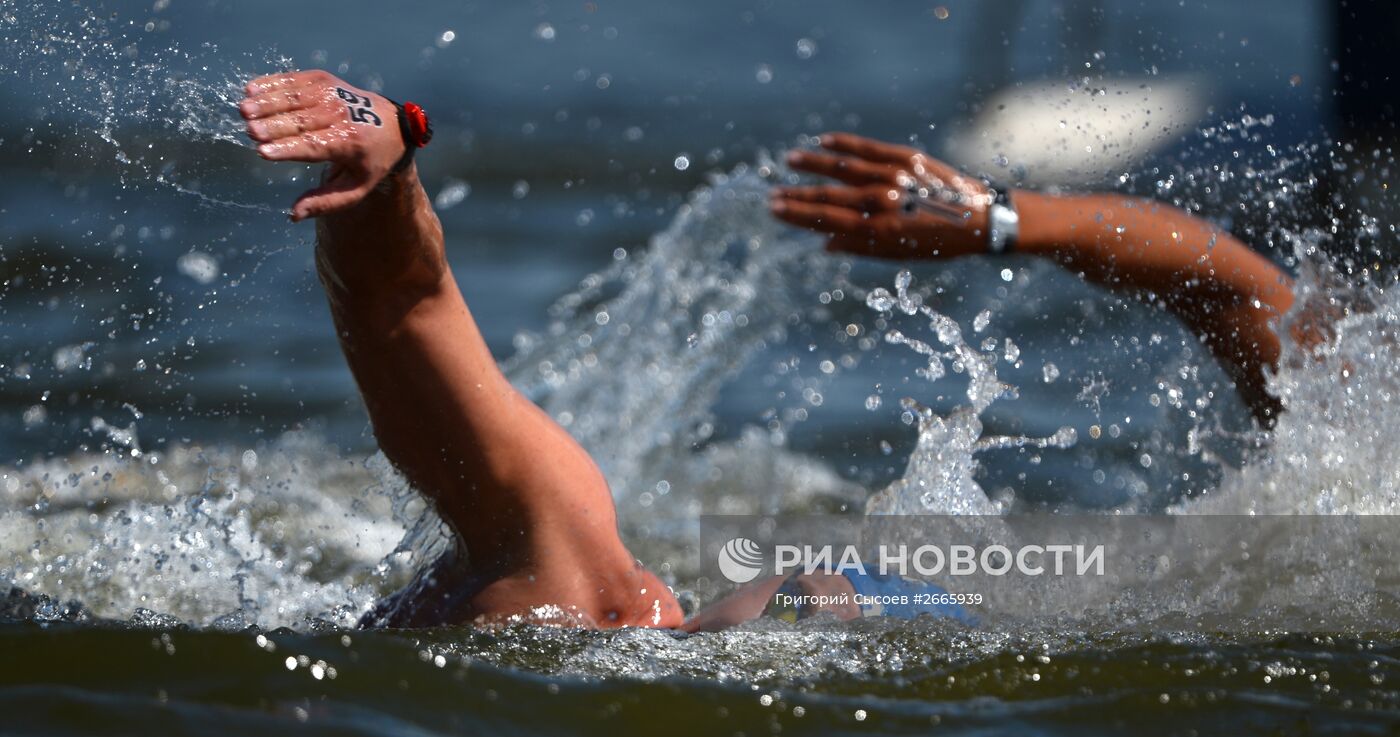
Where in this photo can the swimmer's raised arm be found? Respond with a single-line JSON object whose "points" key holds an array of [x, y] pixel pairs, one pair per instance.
{"points": [[527, 502], [1225, 292]]}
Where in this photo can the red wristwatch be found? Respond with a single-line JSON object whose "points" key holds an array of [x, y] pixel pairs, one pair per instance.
{"points": [[416, 130], [419, 130]]}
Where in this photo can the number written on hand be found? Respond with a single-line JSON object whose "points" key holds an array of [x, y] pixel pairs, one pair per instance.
{"points": [[364, 115], [359, 107]]}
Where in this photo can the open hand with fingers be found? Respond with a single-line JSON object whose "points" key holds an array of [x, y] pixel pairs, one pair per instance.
{"points": [[314, 116], [892, 201]]}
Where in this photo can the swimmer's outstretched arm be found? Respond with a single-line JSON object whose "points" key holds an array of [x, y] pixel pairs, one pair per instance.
{"points": [[1225, 292], [527, 502]]}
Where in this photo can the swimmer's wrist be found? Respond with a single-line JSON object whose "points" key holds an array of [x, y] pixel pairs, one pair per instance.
{"points": [[407, 260], [1043, 227], [399, 179], [1003, 222]]}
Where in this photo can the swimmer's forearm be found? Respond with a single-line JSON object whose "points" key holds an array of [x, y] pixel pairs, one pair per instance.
{"points": [[1141, 244], [387, 251], [426, 373], [1224, 291], [394, 302], [442, 410]]}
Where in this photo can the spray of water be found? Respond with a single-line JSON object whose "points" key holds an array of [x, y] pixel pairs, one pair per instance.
{"points": [[939, 478], [294, 531], [635, 360], [1333, 449], [164, 113]]}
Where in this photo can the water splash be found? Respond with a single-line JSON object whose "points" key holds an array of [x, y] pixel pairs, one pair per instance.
{"points": [[163, 111], [1333, 449], [1329, 455], [939, 477], [633, 365], [635, 359], [278, 535]]}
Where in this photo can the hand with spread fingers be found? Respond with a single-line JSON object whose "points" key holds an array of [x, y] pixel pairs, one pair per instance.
{"points": [[313, 116], [892, 201]]}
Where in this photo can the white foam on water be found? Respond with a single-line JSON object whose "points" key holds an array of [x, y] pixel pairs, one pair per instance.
{"points": [[276, 535], [1334, 449]]}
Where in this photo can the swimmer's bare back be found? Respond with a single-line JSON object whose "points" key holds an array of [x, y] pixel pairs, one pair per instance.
{"points": [[530, 512]]}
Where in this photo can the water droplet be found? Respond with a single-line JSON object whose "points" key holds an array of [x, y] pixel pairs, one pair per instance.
{"points": [[682, 162], [1012, 352], [806, 48], [902, 280], [452, 193], [872, 402], [764, 74], [1050, 372], [35, 416], [70, 357], [879, 300], [199, 266], [908, 303]]}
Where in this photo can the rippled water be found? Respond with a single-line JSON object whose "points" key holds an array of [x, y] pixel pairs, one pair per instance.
{"points": [[193, 514], [912, 680]]}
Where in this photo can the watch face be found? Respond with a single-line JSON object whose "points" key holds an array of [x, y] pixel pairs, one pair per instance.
{"points": [[1003, 224]]}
